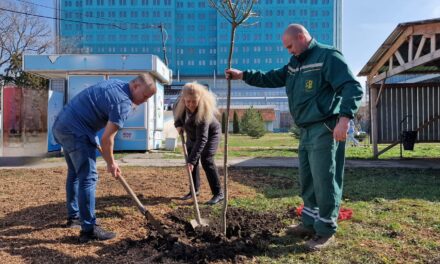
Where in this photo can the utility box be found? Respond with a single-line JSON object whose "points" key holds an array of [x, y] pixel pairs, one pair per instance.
{"points": [[70, 74]]}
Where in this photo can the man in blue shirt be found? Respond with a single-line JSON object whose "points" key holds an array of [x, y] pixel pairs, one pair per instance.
{"points": [[103, 105]]}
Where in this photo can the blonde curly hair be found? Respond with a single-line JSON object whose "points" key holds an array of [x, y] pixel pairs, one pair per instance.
{"points": [[207, 105]]}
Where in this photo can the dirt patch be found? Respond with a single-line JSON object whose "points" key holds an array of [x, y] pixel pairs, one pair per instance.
{"points": [[32, 218], [248, 234]]}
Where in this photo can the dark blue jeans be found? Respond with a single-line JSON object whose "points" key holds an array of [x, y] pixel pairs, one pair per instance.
{"points": [[82, 176]]}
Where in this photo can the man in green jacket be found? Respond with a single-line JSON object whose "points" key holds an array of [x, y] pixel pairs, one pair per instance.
{"points": [[323, 96]]}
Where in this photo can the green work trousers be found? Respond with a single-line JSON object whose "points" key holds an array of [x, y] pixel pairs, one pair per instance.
{"points": [[321, 172]]}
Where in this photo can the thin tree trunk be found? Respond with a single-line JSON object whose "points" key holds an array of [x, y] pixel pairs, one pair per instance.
{"points": [[228, 106]]}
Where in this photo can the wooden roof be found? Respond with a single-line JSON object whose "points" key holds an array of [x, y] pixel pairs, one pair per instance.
{"points": [[412, 48]]}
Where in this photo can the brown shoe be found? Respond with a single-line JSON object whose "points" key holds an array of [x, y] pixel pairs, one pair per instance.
{"points": [[320, 242], [300, 230]]}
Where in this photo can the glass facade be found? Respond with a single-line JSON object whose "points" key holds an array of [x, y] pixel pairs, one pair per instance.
{"points": [[197, 37]]}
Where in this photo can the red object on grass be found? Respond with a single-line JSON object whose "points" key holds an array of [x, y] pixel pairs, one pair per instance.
{"points": [[344, 213]]}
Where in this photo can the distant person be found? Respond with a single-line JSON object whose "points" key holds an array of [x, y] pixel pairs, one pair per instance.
{"points": [[103, 105], [351, 132], [194, 113], [323, 96]]}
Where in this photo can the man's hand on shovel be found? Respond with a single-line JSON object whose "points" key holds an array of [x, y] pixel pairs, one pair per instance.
{"points": [[114, 169]]}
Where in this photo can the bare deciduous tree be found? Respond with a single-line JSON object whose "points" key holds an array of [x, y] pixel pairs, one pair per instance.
{"points": [[21, 33], [236, 12]]}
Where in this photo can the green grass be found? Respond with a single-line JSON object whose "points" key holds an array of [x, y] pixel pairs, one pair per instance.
{"points": [[284, 145], [396, 217]]}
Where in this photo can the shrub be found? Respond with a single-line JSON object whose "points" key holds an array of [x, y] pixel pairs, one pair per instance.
{"points": [[252, 123]]}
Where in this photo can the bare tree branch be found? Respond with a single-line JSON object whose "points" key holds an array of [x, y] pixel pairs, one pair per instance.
{"points": [[20, 34], [219, 10]]}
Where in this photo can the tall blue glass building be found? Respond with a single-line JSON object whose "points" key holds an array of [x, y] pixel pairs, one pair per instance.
{"points": [[197, 37]]}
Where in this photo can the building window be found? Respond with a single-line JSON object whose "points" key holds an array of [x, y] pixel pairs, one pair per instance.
{"points": [[325, 2], [133, 2], [156, 2], [122, 2], [167, 2], [144, 2], [179, 4]]}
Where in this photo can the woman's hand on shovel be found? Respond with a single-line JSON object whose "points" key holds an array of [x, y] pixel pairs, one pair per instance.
{"points": [[190, 167], [114, 169]]}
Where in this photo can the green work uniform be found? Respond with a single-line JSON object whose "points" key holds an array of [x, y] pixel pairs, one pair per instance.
{"points": [[320, 88]]}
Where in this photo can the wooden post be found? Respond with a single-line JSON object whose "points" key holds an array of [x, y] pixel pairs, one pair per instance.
{"points": [[373, 115]]}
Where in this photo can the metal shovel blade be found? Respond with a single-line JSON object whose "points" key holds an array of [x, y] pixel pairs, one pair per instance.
{"points": [[203, 222]]}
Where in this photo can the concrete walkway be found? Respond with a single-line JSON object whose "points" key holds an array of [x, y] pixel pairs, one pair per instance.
{"points": [[154, 160]]}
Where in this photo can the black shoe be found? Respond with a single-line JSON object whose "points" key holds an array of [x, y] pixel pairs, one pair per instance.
{"points": [[188, 196], [73, 223], [215, 199], [96, 234]]}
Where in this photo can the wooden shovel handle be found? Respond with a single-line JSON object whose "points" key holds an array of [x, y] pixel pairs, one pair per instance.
{"points": [[191, 182]]}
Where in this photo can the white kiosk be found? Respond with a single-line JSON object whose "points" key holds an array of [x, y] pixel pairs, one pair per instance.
{"points": [[70, 74]]}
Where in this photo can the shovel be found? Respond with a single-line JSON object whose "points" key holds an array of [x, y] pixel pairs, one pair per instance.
{"points": [[198, 221], [141, 207]]}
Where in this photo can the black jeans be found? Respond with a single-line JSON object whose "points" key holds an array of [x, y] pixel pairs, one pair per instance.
{"points": [[208, 164]]}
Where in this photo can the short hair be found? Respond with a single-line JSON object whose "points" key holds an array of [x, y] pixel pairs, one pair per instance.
{"points": [[295, 29], [146, 79]]}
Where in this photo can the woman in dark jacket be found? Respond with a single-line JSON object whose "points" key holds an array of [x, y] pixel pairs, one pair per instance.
{"points": [[195, 113]]}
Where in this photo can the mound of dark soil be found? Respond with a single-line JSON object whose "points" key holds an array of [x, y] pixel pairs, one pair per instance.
{"points": [[248, 234]]}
